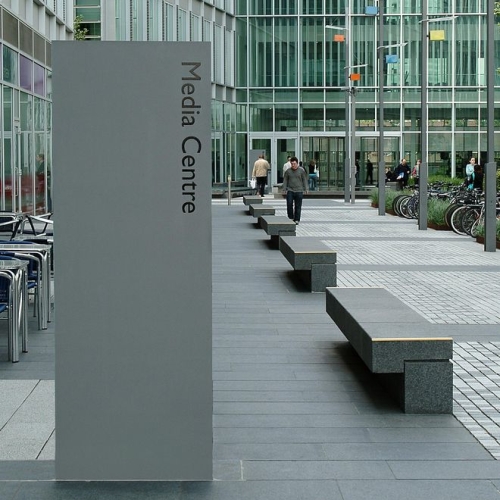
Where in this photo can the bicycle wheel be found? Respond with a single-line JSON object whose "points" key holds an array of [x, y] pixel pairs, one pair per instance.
{"points": [[413, 207], [400, 205], [456, 220], [395, 202], [449, 212], [403, 207], [475, 226], [469, 218]]}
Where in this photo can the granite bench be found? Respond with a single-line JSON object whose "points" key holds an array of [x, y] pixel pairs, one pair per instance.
{"points": [[260, 210], [410, 356], [276, 227], [315, 263], [252, 200]]}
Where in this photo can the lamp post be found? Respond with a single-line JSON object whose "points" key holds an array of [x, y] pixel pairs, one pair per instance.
{"points": [[351, 90], [381, 157], [347, 160], [424, 166], [491, 166], [381, 153], [374, 10], [350, 113]]}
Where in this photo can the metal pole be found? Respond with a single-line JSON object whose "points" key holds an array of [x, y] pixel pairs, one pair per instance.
{"points": [[353, 144], [381, 156], [423, 171], [229, 190], [491, 166], [347, 163]]}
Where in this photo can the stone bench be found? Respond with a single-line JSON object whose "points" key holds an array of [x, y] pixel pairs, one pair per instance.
{"points": [[260, 210], [393, 340], [276, 227], [252, 200], [315, 263]]}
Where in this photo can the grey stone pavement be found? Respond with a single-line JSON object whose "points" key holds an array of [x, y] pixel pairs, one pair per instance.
{"points": [[296, 414]]}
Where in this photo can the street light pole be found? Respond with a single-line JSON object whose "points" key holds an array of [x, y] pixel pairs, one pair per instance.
{"points": [[381, 154], [424, 165], [491, 166], [423, 169], [347, 157], [347, 166]]}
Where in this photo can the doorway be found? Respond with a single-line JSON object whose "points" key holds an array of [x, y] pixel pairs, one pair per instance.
{"points": [[329, 155], [276, 151]]}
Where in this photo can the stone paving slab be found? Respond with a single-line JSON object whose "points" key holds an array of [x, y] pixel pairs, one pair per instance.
{"points": [[296, 415]]}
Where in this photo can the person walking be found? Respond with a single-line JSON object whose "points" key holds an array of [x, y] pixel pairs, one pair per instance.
{"points": [[260, 169], [294, 186]]}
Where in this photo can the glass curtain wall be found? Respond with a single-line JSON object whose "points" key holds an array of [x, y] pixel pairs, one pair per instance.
{"points": [[25, 113], [290, 75]]}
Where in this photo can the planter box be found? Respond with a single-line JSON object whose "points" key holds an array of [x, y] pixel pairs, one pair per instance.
{"points": [[438, 227], [480, 239]]}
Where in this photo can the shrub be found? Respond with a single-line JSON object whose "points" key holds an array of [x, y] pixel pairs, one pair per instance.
{"points": [[390, 194], [456, 181], [480, 230], [435, 211]]}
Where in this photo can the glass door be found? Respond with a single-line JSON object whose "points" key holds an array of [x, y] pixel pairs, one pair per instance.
{"points": [[276, 151], [336, 163], [285, 147], [218, 175], [367, 157], [329, 154]]}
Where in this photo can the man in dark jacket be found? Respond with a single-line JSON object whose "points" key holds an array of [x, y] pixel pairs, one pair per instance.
{"points": [[294, 186], [402, 173]]}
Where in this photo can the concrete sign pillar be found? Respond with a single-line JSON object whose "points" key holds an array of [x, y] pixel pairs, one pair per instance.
{"points": [[132, 198]]}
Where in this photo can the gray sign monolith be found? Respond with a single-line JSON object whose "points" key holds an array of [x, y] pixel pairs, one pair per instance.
{"points": [[132, 202]]}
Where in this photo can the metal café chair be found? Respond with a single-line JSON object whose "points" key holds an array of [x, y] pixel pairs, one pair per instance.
{"points": [[40, 255], [13, 297], [11, 224], [33, 279], [40, 225]]}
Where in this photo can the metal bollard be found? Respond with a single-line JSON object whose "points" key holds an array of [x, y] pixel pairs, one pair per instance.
{"points": [[229, 190]]}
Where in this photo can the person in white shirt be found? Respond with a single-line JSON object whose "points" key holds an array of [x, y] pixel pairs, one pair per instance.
{"points": [[260, 170], [287, 165]]}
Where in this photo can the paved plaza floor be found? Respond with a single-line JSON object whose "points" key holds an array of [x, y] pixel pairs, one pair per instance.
{"points": [[296, 413]]}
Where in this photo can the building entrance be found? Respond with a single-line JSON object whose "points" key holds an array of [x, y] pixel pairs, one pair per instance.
{"points": [[329, 155]]}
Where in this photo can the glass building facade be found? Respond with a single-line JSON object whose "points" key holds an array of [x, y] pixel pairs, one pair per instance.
{"points": [[279, 79], [26, 28], [290, 79]]}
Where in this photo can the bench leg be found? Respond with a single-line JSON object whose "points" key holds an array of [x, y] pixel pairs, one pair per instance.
{"points": [[322, 276], [275, 238], [428, 387]]}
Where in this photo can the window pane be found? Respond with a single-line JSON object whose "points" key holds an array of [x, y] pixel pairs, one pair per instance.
{"points": [[26, 73], [9, 65], [92, 3], [89, 14], [39, 80], [261, 52]]}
